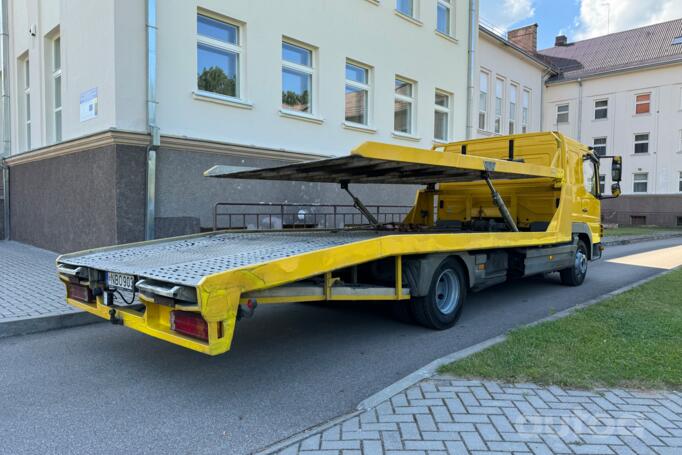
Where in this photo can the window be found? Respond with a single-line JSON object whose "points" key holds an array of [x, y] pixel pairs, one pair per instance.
{"points": [[499, 103], [444, 17], [680, 182], [602, 183], [525, 111], [680, 143], [403, 120], [677, 40], [483, 101], [513, 94], [218, 57], [643, 103], [601, 109], [405, 7], [638, 220], [642, 143], [297, 78], [357, 94], [562, 113], [57, 88], [599, 146], [589, 177], [640, 182], [442, 116], [25, 102], [679, 220]]}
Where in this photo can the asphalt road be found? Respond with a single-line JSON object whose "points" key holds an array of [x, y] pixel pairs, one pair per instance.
{"points": [[106, 389]]}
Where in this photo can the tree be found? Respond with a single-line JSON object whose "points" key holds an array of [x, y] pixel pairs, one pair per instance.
{"points": [[215, 80]]}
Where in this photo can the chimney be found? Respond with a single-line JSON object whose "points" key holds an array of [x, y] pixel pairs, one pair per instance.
{"points": [[525, 37], [560, 40]]}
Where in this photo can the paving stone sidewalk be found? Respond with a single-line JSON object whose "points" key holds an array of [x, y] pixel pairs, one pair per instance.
{"points": [[31, 296], [449, 416]]}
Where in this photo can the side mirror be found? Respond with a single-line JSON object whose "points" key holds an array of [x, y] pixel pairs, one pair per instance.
{"points": [[615, 189], [617, 169]]}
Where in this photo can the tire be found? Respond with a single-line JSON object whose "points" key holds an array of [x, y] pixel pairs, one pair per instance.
{"points": [[575, 275], [441, 307]]}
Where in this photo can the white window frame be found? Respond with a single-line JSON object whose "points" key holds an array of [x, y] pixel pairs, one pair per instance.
{"points": [[680, 143], [406, 99], [414, 13], [310, 70], [443, 110], [483, 111], [637, 103], [499, 105], [57, 127], [513, 107], [366, 87], [525, 109], [566, 113], [605, 144], [25, 103], [680, 181], [641, 141], [450, 6], [237, 49], [601, 108], [635, 181]]}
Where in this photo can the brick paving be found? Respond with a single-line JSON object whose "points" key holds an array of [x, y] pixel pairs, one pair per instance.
{"points": [[29, 286], [442, 416]]}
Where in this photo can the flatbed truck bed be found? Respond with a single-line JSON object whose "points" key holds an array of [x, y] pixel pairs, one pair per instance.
{"points": [[461, 235]]}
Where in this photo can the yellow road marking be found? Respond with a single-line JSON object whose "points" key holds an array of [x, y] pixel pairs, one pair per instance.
{"points": [[666, 258]]}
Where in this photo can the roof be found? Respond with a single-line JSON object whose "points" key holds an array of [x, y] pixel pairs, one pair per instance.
{"points": [[374, 162], [631, 49], [492, 34]]}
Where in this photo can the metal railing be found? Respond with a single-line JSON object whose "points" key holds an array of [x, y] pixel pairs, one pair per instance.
{"points": [[269, 215]]}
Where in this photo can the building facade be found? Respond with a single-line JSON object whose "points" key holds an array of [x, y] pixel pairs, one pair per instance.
{"points": [[232, 82], [622, 94], [509, 84]]}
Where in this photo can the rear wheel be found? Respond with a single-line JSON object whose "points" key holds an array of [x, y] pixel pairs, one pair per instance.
{"points": [[441, 307], [575, 275]]}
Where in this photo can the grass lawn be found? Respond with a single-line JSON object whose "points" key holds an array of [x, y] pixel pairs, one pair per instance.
{"points": [[639, 230], [632, 340]]}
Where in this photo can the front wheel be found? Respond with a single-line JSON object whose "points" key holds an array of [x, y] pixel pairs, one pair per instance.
{"points": [[441, 307], [575, 275]]}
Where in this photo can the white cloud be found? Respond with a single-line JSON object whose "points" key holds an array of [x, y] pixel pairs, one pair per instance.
{"points": [[625, 14], [504, 13]]}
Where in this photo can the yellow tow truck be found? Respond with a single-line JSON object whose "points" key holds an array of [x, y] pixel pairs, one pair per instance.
{"points": [[488, 210]]}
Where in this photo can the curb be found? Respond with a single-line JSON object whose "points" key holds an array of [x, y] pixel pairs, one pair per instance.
{"points": [[431, 369], [650, 238], [26, 326]]}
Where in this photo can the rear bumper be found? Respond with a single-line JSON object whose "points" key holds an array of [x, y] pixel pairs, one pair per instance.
{"points": [[155, 322]]}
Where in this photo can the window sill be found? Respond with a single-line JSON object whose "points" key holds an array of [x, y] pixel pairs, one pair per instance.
{"points": [[439, 142], [484, 132], [301, 116], [410, 19], [405, 136], [600, 119], [359, 127], [641, 154], [374, 2], [648, 114], [450, 38], [219, 99]]}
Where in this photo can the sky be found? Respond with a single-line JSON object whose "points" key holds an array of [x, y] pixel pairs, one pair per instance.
{"points": [[577, 19]]}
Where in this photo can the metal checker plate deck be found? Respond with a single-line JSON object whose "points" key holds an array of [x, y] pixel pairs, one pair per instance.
{"points": [[187, 261]]}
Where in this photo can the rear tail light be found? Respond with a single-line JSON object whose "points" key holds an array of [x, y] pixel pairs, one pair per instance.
{"points": [[80, 293], [191, 324]]}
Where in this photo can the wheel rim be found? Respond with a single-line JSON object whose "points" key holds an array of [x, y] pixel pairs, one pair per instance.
{"points": [[447, 291], [580, 263]]}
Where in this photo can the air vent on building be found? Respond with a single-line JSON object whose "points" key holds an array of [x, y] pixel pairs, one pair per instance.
{"points": [[677, 40]]}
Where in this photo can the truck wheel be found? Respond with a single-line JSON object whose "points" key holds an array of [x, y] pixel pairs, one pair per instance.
{"points": [[575, 275], [443, 305]]}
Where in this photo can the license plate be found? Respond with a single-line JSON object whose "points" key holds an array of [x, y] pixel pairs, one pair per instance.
{"points": [[121, 280]]}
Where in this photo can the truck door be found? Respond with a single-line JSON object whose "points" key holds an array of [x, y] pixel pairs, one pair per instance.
{"points": [[589, 199]]}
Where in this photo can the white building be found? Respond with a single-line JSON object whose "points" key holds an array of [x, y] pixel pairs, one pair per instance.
{"points": [[254, 83], [509, 85], [622, 94]]}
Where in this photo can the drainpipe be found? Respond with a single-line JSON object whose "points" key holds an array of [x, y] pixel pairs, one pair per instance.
{"points": [[6, 146], [471, 66], [153, 129], [543, 87], [580, 109]]}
